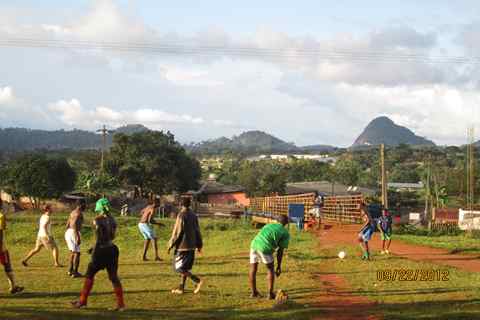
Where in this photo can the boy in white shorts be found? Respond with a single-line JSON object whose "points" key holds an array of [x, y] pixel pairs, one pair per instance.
{"points": [[273, 236], [44, 238], [73, 237]]}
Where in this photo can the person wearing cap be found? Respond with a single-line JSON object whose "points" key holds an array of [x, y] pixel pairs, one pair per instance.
{"points": [[272, 237]]}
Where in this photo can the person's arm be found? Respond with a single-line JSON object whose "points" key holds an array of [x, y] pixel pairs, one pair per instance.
{"points": [[177, 233], [278, 272]]}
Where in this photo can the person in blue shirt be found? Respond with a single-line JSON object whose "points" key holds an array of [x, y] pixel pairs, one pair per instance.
{"points": [[366, 232], [385, 227]]}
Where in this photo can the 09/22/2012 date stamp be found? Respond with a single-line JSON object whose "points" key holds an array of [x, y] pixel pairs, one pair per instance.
{"points": [[413, 275]]}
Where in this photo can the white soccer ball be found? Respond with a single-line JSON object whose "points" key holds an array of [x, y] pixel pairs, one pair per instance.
{"points": [[342, 254]]}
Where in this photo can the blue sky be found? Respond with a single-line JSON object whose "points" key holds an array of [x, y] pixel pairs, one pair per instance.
{"points": [[307, 100]]}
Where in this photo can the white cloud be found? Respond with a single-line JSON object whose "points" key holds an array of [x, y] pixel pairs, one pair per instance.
{"points": [[6, 96]]}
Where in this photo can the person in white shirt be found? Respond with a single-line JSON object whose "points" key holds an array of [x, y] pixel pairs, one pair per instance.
{"points": [[44, 238]]}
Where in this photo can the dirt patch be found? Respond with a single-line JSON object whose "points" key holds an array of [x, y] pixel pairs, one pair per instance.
{"points": [[336, 300], [347, 234]]}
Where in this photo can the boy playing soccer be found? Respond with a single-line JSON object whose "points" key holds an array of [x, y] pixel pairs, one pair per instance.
{"points": [[104, 256], [273, 236], [44, 238], [186, 238], [366, 232], [146, 229], [73, 237], [5, 257], [385, 227]]}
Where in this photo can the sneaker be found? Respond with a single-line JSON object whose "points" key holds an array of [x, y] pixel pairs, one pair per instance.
{"points": [[77, 305], [178, 291], [16, 290], [271, 296], [366, 256], [117, 309], [76, 275], [255, 294], [198, 286]]}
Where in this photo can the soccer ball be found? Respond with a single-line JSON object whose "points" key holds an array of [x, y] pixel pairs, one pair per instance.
{"points": [[342, 254]]}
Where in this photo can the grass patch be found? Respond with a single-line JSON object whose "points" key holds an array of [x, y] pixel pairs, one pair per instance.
{"points": [[224, 265], [462, 243]]}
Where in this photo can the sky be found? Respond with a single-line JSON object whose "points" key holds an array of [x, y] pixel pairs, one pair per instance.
{"points": [[308, 72]]}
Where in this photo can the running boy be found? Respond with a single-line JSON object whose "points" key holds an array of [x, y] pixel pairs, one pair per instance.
{"points": [[146, 229], [73, 238], [186, 238], [271, 237], [104, 256], [385, 227], [366, 232], [44, 238], [5, 257]]}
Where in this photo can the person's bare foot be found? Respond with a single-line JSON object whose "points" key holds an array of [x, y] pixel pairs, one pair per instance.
{"points": [[198, 286], [271, 296], [24, 263], [158, 259], [16, 290], [145, 259], [77, 304], [58, 265], [255, 294]]}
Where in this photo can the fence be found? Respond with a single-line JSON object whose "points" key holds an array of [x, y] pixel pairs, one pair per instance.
{"points": [[336, 208], [205, 209]]}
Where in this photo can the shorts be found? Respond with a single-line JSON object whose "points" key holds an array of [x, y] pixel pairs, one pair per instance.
{"points": [[5, 261], [183, 261], [147, 231], [103, 258], [47, 242], [317, 213], [366, 233], [257, 256], [386, 236], [71, 241]]}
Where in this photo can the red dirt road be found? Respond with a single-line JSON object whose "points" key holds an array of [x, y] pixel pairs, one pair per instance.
{"points": [[347, 234]]}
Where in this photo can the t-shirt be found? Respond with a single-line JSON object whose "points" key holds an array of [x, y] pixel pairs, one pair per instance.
{"points": [[44, 226], [3, 227], [102, 205], [385, 223], [75, 220], [271, 237]]}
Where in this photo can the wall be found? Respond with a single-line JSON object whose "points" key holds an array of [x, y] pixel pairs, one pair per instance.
{"points": [[229, 198]]}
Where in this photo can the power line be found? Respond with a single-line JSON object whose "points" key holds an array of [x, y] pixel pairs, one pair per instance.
{"points": [[191, 49]]}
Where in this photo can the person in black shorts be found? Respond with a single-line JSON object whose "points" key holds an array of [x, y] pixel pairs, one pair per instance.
{"points": [[104, 256], [186, 238]]}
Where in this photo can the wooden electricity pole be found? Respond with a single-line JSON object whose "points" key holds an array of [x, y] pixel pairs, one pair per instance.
{"points": [[384, 177], [104, 132], [470, 169]]}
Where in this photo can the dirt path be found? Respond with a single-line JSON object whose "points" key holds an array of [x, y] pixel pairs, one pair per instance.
{"points": [[336, 300], [347, 234]]}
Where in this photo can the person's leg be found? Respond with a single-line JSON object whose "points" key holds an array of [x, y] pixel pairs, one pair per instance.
{"points": [[146, 244], [55, 256], [76, 263], [271, 280], [87, 285], [112, 269], [5, 261], [38, 247], [389, 242], [383, 246], [72, 263], [155, 246], [252, 277]]}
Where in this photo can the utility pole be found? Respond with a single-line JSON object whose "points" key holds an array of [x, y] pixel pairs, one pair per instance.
{"points": [[470, 169], [384, 177], [104, 132]]}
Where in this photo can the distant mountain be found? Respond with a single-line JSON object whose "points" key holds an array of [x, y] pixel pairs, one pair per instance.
{"points": [[21, 139], [253, 142], [383, 130]]}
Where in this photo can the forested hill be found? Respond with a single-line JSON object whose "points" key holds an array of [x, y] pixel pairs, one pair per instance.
{"points": [[21, 139], [253, 142]]}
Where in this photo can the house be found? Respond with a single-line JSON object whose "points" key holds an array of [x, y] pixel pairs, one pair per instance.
{"points": [[326, 188], [216, 193], [397, 186]]}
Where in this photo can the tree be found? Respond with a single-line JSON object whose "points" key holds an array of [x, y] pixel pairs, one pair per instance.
{"points": [[152, 161], [348, 172], [38, 177]]}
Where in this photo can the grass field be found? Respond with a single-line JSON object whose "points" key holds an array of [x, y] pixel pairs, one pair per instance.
{"points": [[224, 266], [462, 243]]}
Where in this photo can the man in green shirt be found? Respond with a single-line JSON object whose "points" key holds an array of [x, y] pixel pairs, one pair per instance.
{"points": [[273, 236]]}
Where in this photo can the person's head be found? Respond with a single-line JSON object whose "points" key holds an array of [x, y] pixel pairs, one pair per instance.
{"points": [[282, 219], [186, 203], [81, 204], [47, 209], [156, 202]]}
